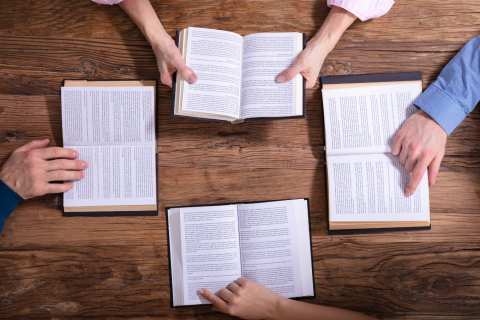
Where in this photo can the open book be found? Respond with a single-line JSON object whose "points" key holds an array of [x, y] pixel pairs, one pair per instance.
{"points": [[112, 126], [365, 182], [212, 246], [237, 76]]}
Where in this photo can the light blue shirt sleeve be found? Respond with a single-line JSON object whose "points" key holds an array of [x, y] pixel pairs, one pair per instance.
{"points": [[456, 91]]}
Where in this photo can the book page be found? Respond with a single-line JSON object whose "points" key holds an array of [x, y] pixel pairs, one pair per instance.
{"points": [[210, 250], [366, 120], [265, 55], [371, 188], [269, 246], [215, 56], [116, 176], [106, 116]]}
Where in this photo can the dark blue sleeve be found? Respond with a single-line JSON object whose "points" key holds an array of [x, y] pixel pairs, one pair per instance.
{"points": [[8, 202], [456, 91]]}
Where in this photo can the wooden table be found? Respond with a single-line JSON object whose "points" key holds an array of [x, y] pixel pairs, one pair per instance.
{"points": [[52, 266]]}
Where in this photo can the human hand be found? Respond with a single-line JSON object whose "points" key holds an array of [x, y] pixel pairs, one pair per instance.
{"points": [[420, 143], [245, 299], [32, 167], [308, 64], [310, 60], [169, 60]]}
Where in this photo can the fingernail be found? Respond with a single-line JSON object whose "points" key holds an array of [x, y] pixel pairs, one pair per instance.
{"points": [[281, 78], [408, 193], [192, 78], [75, 154], [70, 185], [201, 291], [81, 174], [84, 164]]}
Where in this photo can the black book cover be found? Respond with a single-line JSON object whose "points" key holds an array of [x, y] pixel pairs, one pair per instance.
{"points": [[366, 78], [174, 81], [224, 204], [124, 213]]}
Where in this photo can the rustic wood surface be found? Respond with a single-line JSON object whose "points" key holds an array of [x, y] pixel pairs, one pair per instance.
{"points": [[55, 267]]}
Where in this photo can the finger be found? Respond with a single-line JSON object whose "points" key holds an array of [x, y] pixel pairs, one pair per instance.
{"points": [[403, 156], [434, 167], [410, 164], [185, 71], [226, 294], [63, 164], [213, 299], [35, 144], [233, 287], [309, 80], [241, 281], [416, 177], [166, 78], [290, 73], [57, 153], [58, 187], [63, 175], [397, 143]]}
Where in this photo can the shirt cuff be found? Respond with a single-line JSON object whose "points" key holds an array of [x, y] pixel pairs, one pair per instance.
{"points": [[110, 2], [441, 107], [8, 202], [365, 9]]}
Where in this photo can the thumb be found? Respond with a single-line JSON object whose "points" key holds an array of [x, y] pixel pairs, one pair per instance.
{"points": [[185, 71], [290, 73], [35, 144]]}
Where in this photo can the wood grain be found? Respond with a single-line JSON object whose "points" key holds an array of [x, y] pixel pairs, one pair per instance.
{"points": [[84, 267]]}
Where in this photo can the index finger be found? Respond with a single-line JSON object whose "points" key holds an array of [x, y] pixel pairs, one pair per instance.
{"points": [[57, 153], [216, 301], [416, 177]]}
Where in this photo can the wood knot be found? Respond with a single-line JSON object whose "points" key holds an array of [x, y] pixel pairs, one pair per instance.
{"points": [[333, 68], [124, 70], [88, 67], [54, 201], [11, 136]]}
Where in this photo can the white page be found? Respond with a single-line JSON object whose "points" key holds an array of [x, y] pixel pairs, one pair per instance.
{"points": [[175, 244], [265, 55], [371, 188], [366, 120], [96, 116], [116, 176], [269, 246], [304, 245], [210, 250], [215, 56]]}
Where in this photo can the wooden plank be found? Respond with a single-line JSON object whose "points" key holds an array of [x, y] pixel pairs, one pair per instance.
{"points": [[130, 280], [429, 20], [35, 65]]}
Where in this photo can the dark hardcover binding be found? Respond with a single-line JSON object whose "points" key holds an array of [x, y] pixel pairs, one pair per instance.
{"points": [[224, 204], [365, 78], [124, 213], [174, 81]]}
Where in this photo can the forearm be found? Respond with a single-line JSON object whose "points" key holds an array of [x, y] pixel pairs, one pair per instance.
{"points": [[455, 92], [291, 309], [142, 13], [337, 21]]}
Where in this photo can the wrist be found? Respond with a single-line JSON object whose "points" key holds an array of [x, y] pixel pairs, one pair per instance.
{"points": [[278, 308]]}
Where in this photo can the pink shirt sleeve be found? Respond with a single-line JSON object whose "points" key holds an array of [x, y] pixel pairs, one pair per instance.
{"points": [[363, 9], [110, 2]]}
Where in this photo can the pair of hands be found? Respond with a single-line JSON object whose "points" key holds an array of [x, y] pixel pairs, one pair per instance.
{"points": [[31, 168], [169, 60]]}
